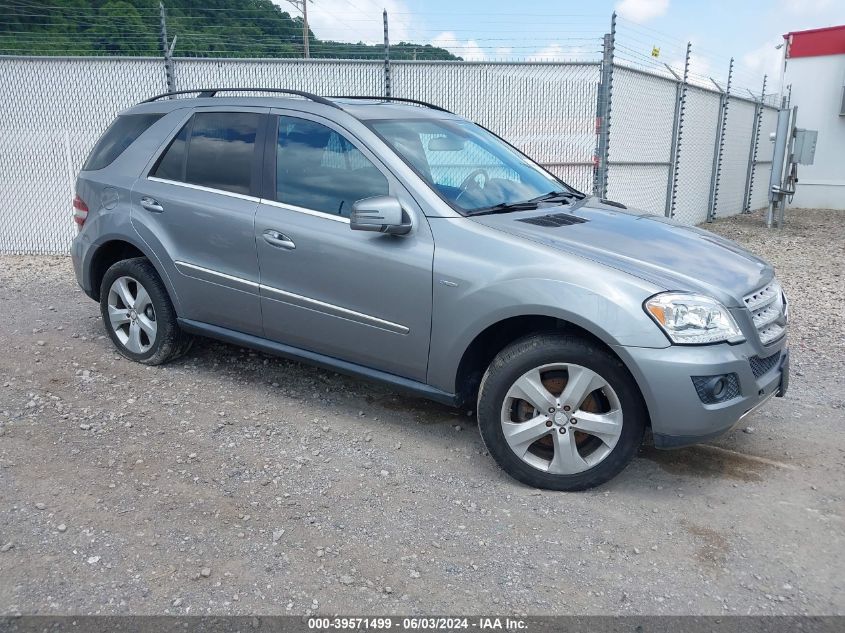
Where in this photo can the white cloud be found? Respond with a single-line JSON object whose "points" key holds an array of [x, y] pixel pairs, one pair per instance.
{"points": [[700, 66], [641, 10], [551, 53], [556, 53], [766, 60], [700, 69], [803, 7], [468, 49], [340, 21]]}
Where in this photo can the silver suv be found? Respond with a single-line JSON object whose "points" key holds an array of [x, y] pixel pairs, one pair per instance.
{"points": [[395, 241]]}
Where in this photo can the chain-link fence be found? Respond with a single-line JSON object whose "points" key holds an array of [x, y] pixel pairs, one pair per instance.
{"points": [[761, 168], [640, 139], [695, 160], [661, 156], [739, 129]]}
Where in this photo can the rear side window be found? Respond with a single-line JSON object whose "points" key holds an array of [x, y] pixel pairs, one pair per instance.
{"points": [[214, 149], [120, 135]]}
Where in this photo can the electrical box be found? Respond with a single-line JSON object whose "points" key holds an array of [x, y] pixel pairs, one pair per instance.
{"points": [[804, 148]]}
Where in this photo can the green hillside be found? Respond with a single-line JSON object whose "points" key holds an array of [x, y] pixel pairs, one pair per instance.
{"points": [[207, 28]]}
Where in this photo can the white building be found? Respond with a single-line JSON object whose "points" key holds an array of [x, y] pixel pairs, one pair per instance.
{"points": [[815, 67]]}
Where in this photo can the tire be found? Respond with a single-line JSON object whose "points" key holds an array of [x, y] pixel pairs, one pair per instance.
{"points": [[545, 447], [151, 334]]}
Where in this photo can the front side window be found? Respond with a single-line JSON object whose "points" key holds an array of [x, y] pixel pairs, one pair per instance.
{"points": [[468, 166], [120, 135], [318, 168], [214, 149]]}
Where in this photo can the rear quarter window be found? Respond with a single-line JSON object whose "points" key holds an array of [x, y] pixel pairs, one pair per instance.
{"points": [[120, 135]]}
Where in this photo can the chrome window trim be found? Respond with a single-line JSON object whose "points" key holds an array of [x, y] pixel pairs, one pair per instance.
{"points": [[316, 214], [302, 301], [189, 185]]}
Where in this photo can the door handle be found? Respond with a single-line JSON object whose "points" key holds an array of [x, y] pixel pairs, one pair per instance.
{"points": [[151, 204], [275, 238]]}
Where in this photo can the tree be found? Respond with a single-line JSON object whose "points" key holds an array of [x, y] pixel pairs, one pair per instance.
{"points": [[241, 28], [120, 30]]}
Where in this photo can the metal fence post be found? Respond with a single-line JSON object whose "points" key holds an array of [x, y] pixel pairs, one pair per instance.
{"points": [[386, 58], [604, 99], [169, 74], [752, 153], [719, 146], [677, 133]]}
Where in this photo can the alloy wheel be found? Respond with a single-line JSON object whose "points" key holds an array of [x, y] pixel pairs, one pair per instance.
{"points": [[132, 315], [561, 418]]}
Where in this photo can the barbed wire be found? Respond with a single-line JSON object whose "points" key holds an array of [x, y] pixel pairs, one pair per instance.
{"points": [[557, 36]]}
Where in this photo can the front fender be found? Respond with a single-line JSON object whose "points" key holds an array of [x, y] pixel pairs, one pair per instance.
{"points": [[614, 317]]}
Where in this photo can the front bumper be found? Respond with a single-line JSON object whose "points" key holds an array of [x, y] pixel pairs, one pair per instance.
{"points": [[678, 415]]}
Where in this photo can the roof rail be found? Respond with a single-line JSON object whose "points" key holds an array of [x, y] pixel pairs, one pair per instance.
{"points": [[400, 99], [210, 92]]}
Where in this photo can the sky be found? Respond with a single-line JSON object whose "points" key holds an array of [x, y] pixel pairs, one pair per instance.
{"points": [[748, 30]]}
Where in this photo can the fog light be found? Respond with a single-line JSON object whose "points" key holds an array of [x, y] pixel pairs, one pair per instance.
{"points": [[715, 389]]}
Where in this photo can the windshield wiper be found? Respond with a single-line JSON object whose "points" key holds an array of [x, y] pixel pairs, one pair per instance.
{"points": [[554, 195], [505, 207], [525, 205]]}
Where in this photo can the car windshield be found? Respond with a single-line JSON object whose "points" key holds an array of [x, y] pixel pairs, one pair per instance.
{"points": [[472, 169]]}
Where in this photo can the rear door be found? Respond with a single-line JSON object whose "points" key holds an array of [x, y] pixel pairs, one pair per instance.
{"points": [[196, 210], [358, 296]]}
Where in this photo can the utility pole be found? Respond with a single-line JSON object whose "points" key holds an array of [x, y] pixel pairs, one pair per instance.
{"points": [[167, 49], [302, 5]]}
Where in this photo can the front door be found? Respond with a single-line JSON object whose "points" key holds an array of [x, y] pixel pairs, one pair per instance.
{"points": [[357, 296]]}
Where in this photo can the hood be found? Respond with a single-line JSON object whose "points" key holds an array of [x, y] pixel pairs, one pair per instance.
{"points": [[652, 247]]}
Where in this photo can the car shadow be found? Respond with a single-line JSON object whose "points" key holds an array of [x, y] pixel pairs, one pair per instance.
{"points": [[304, 381], [709, 462]]}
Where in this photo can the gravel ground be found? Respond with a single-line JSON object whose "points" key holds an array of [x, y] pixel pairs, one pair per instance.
{"points": [[231, 482]]}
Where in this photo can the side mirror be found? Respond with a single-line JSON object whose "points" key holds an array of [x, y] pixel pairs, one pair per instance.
{"points": [[383, 214]]}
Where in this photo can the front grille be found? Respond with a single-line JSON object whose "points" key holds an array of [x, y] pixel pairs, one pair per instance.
{"points": [[554, 220], [768, 311], [761, 366]]}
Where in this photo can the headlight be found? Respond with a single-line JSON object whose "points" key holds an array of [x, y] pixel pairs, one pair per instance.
{"points": [[692, 319]]}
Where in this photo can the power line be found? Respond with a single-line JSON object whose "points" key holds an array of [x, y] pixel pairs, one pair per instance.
{"points": [[302, 5]]}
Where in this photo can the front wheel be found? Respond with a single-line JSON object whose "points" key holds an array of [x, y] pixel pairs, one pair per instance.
{"points": [[559, 412]]}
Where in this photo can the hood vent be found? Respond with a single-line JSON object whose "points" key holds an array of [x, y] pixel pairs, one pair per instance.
{"points": [[554, 220]]}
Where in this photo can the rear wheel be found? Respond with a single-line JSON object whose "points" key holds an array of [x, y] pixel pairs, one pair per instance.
{"points": [[558, 412], [138, 314]]}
